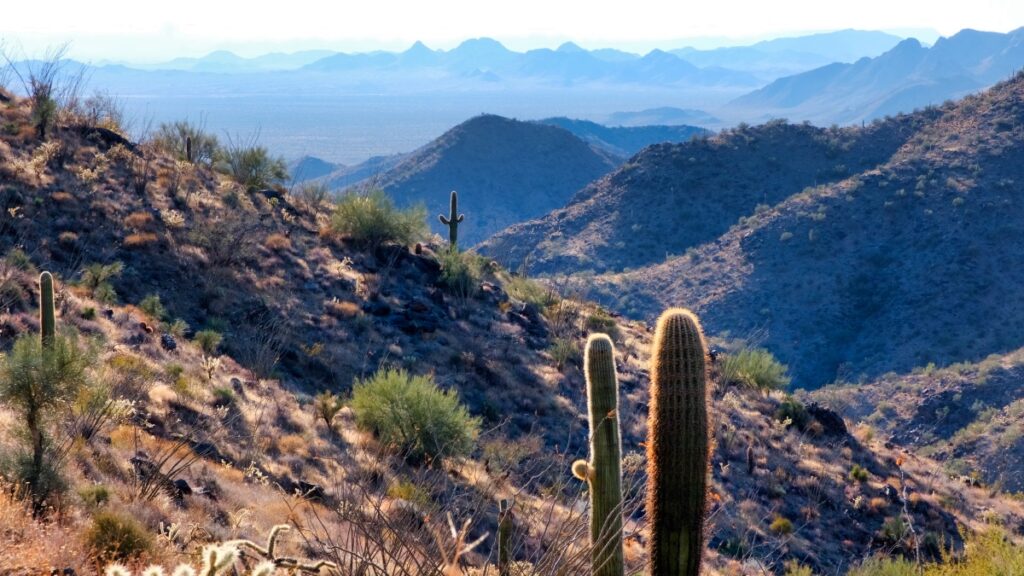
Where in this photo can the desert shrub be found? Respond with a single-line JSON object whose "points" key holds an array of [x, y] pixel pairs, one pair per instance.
{"points": [[894, 530], [171, 138], [88, 313], [601, 321], [794, 568], [755, 368], [277, 242], [252, 165], [178, 328], [781, 526], [153, 307], [563, 351], [412, 416], [409, 491], [988, 553], [18, 259], [139, 239], [228, 240], [793, 410], [114, 536], [858, 473], [97, 278], [223, 396], [530, 291], [39, 382], [208, 340], [327, 405], [94, 495], [371, 218], [461, 273], [312, 195]]}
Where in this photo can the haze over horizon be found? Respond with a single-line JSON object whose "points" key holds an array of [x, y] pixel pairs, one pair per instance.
{"points": [[162, 32]]}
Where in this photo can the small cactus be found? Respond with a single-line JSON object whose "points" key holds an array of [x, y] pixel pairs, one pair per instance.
{"points": [[604, 471], [677, 446], [750, 460], [47, 316], [188, 148], [504, 538], [452, 221]]}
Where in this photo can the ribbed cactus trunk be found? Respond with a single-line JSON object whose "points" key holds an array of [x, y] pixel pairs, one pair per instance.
{"points": [[677, 446], [605, 473], [504, 539], [452, 221], [47, 315], [188, 148]]}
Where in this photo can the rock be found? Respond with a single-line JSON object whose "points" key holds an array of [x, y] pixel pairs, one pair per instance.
{"points": [[108, 313], [104, 137], [832, 423], [182, 487], [167, 342], [146, 328]]}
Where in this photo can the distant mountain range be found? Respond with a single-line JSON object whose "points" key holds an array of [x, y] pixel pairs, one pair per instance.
{"points": [[785, 56], [908, 76]]}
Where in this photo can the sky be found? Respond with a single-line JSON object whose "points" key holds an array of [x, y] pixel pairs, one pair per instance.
{"points": [[150, 31]]}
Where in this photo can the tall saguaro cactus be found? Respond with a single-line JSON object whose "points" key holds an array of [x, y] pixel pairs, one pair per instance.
{"points": [[452, 221], [604, 471], [188, 148], [47, 316], [677, 445]]}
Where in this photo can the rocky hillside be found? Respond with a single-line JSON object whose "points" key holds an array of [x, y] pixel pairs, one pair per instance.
{"points": [[304, 310], [672, 197], [505, 171], [915, 261]]}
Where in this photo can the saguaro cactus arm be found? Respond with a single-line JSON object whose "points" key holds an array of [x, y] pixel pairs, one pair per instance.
{"points": [[47, 315]]}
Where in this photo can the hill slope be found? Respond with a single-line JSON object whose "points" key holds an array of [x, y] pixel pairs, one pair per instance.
{"points": [[905, 264], [672, 197], [303, 310], [505, 171], [621, 140]]}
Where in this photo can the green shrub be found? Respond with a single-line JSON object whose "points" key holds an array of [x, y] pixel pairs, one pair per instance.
{"points": [[781, 526], [252, 166], [209, 341], [461, 273], [171, 138], [530, 291], [153, 307], [96, 278], [39, 383], [19, 259], [411, 415], [88, 313], [371, 218], [601, 321], [178, 328], [793, 410], [988, 553], [114, 536], [327, 405], [859, 474], [563, 351], [755, 368], [94, 495], [223, 396]]}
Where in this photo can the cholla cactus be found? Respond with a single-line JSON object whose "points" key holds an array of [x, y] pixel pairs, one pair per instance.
{"points": [[220, 559]]}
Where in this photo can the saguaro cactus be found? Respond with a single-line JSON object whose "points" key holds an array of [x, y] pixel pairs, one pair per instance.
{"points": [[604, 471], [47, 316], [188, 148], [677, 446], [452, 221], [504, 538]]}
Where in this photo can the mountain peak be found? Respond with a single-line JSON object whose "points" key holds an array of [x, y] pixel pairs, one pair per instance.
{"points": [[570, 47]]}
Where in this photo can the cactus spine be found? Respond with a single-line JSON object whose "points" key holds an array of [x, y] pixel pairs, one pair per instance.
{"points": [[452, 221], [504, 538], [188, 148], [604, 471], [677, 446], [47, 316]]}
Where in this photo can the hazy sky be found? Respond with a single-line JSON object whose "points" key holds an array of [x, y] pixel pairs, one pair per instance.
{"points": [[140, 30]]}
